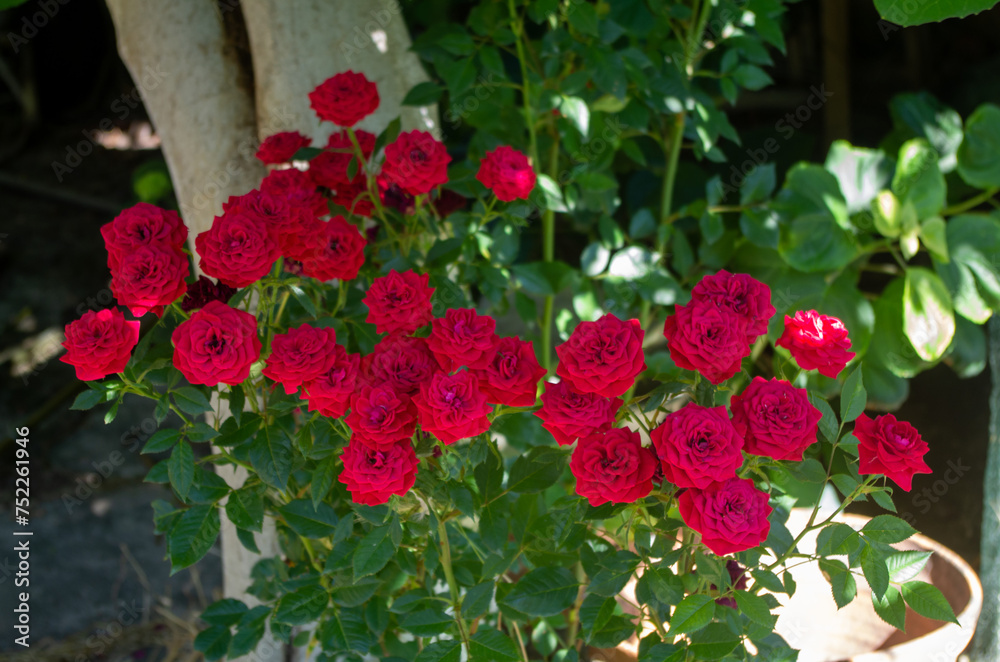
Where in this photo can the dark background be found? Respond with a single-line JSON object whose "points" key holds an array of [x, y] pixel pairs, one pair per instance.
{"points": [[94, 549]]}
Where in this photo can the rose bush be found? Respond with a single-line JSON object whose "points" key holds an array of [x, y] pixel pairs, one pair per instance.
{"points": [[444, 484]]}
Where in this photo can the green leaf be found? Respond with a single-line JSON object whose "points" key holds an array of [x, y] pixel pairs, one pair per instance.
{"points": [[693, 613], [162, 440], [861, 173], [853, 397], [836, 539], [874, 568], [249, 631], [374, 551], [979, 153], [972, 275], [905, 565], [543, 278], [191, 401], [756, 609], [575, 110], [751, 77], [225, 612], [907, 13], [213, 642], [423, 94], [918, 180], [928, 601], [758, 185], [594, 259], [302, 606], [493, 645], [477, 600], [346, 630], [87, 400], [551, 194], [180, 468], [814, 242], [271, 457], [201, 432], [544, 591], [536, 471], [192, 535], [441, 651], [842, 583], [811, 190], [713, 642], [245, 509], [427, 622], [933, 235], [928, 318], [309, 521], [887, 529], [828, 425], [921, 115], [890, 608], [322, 479]]}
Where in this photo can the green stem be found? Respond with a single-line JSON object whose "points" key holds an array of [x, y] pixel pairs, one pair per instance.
{"points": [[974, 201], [449, 575], [548, 254]]}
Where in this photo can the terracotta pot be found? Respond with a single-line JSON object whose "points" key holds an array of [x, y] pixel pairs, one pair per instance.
{"points": [[811, 622]]}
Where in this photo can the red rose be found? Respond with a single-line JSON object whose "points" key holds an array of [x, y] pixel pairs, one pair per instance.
{"points": [[218, 344], [329, 169], [569, 415], [817, 342], [297, 188], [149, 278], [238, 249], [416, 162], [394, 197], [775, 419], [99, 343], [204, 290], [339, 252], [344, 99], [300, 355], [507, 173], [742, 295], [142, 225], [401, 361], [511, 378], [602, 357], [613, 466], [373, 475], [731, 517], [399, 302], [380, 416], [702, 336], [890, 447], [281, 147], [330, 392], [463, 338], [290, 224], [451, 407], [698, 446]]}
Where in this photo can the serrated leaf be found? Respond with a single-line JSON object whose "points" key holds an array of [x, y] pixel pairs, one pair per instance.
{"points": [[905, 565], [322, 479], [302, 606], [245, 509], [828, 425], [193, 534], [180, 468], [875, 571], [191, 401], [693, 613], [887, 529], [309, 521], [890, 608], [423, 94], [227, 612], [928, 601], [87, 400], [213, 642], [374, 551], [836, 539], [271, 457], [853, 397], [162, 440], [842, 584], [543, 592], [536, 471], [249, 631]]}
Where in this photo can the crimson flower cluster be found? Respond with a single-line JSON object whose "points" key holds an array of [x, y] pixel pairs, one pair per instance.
{"points": [[444, 374]]}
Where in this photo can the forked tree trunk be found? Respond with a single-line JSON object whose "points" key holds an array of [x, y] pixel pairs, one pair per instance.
{"points": [[986, 643], [184, 57]]}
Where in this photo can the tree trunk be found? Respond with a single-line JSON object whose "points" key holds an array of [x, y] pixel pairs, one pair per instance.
{"points": [[986, 644], [211, 109]]}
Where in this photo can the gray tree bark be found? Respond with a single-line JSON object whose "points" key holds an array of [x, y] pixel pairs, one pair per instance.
{"points": [[986, 643], [184, 59]]}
